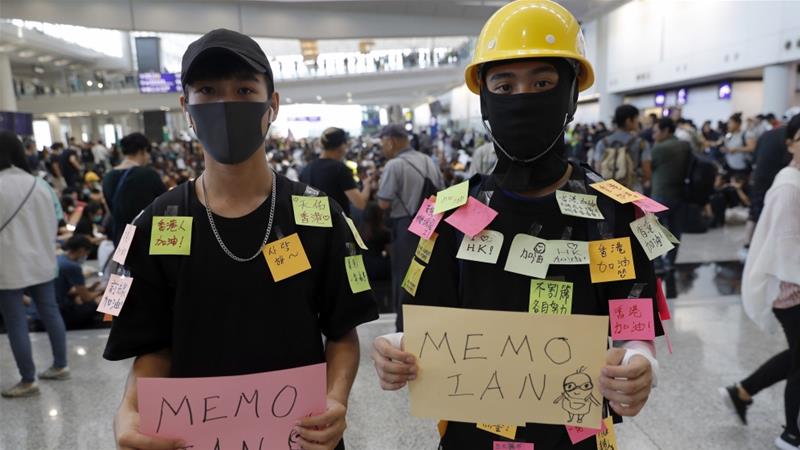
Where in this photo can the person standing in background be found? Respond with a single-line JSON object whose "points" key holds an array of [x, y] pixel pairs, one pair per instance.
{"points": [[738, 148], [635, 170]]}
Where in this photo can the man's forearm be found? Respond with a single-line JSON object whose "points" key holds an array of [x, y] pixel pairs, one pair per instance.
{"points": [[149, 365], [342, 357]]}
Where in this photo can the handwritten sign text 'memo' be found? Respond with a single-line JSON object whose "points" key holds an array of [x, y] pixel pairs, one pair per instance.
{"points": [[505, 367]]}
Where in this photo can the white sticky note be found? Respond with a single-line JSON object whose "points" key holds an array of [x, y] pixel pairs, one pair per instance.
{"points": [[115, 294], [569, 253], [528, 256], [121, 253], [578, 205], [484, 247], [651, 237]]}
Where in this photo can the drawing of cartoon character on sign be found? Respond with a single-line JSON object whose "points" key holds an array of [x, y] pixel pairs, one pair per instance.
{"points": [[577, 398]]}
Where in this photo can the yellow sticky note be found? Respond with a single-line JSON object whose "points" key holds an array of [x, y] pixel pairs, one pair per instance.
{"points": [[312, 211], [617, 191], [286, 257], [171, 235], [425, 248], [611, 260], [442, 427], [507, 431], [355, 232], [578, 205], [651, 237], [356, 273], [411, 281], [452, 197], [607, 439], [550, 297]]}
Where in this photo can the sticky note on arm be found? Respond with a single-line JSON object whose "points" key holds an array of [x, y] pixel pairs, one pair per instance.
{"points": [[452, 197]]}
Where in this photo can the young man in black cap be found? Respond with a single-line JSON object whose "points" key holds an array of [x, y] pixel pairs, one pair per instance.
{"points": [[222, 309]]}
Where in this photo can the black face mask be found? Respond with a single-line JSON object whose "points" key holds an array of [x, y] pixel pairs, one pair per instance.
{"points": [[230, 131], [527, 131]]}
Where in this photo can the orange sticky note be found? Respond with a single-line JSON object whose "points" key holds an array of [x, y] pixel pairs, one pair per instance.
{"points": [[106, 317], [507, 431], [607, 439], [618, 192], [286, 257], [611, 260]]}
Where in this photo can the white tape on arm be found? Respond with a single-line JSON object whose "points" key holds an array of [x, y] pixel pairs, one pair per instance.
{"points": [[396, 339], [644, 349]]}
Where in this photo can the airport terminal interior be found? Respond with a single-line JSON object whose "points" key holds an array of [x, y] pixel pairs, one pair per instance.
{"points": [[243, 224]]}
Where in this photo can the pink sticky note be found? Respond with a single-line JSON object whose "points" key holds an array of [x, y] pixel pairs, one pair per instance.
{"points": [[663, 306], [472, 218], [632, 319], [425, 222], [578, 434], [246, 411], [498, 445], [647, 204], [666, 336], [124, 244], [115, 294]]}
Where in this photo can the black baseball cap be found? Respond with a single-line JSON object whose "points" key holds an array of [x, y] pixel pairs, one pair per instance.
{"points": [[236, 43]]}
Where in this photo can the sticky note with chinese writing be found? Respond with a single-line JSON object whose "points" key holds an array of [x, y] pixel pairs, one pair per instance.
{"points": [[411, 280], [498, 445], [661, 301], [618, 192], [569, 252], [484, 247], [648, 205], [579, 434], [356, 273], [121, 253], [171, 235], [115, 294], [426, 221], [312, 211], [425, 248], [355, 232], [671, 237], [651, 237], [507, 431], [528, 256], [611, 260], [607, 439], [632, 319], [578, 205], [472, 218], [452, 197], [286, 257], [550, 297]]}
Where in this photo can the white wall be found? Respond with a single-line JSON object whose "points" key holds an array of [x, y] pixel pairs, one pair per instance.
{"points": [[588, 112]]}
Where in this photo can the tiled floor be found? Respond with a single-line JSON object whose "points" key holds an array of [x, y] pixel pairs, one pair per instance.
{"points": [[715, 344]]}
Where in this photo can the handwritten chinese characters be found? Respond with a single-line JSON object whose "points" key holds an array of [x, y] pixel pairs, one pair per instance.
{"points": [[115, 294], [528, 256], [507, 431], [425, 222], [607, 439], [425, 248], [632, 319], [356, 273], [452, 197], [171, 235], [498, 445], [651, 236], [578, 205], [411, 281], [616, 191], [550, 297], [286, 257], [121, 253], [312, 211], [611, 260]]}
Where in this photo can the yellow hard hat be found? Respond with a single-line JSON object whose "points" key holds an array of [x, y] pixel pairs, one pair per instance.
{"points": [[530, 29]]}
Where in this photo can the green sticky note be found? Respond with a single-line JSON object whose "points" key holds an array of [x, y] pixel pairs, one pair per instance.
{"points": [[171, 235], [411, 281], [549, 297], [356, 273], [312, 211], [452, 197]]}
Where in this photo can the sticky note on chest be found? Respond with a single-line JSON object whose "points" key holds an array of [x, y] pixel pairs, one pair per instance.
{"points": [[550, 297], [425, 248], [648, 205], [578, 205], [312, 211], [115, 294], [484, 247], [651, 237], [171, 235], [607, 439], [286, 257], [452, 197], [356, 273], [498, 445], [426, 221], [121, 252], [354, 230], [472, 218], [507, 431], [528, 256], [569, 253], [611, 260], [580, 434], [411, 280], [632, 319], [616, 191]]}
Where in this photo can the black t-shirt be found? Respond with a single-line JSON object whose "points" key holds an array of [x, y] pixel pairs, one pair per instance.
{"points": [[139, 188], [68, 171], [332, 177], [452, 282], [771, 156], [221, 317]]}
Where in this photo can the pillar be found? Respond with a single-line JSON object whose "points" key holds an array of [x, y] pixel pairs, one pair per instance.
{"points": [[8, 101], [778, 88], [607, 101], [55, 128]]}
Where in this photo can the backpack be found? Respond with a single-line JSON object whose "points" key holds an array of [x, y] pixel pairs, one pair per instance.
{"points": [[428, 189], [617, 163], [698, 182]]}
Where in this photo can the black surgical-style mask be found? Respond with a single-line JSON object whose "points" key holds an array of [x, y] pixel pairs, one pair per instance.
{"points": [[528, 132], [230, 131]]}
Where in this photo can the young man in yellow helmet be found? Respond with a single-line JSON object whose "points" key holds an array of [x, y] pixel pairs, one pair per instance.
{"points": [[528, 68]]}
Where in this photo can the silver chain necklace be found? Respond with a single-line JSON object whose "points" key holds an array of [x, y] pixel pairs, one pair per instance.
{"points": [[216, 233]]}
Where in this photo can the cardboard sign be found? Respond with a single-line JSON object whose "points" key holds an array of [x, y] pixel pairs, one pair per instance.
{"points": [[257, 411], [507, 431], [661, 301], [550, 297], [616, 191], [121, 253], [632, 319], [286, 257], [171, 235], [425, 248], [502, 445], [505, 367], [484, 247], [578, 205], [579, 434], [651, 237], [569, 252], [411, 280], [452, 197], [356, 273], [355, 232], [611, 260], [472, 218], [528, 256], [607, 439], [648, 205], [115, 294], [312, 211], [425, 222]]}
